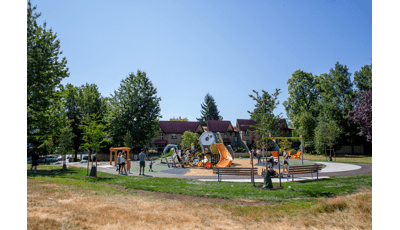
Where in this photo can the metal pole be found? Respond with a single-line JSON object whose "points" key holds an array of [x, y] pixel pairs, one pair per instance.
{"points": [[302, 147], [279, 168], [252, 168]]}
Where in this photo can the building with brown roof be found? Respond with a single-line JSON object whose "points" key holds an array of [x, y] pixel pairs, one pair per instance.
{"points": [[171, 133], [229, 135]]}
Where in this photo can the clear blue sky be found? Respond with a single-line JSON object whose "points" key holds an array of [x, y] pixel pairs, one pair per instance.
{"points": [[225, 48]]}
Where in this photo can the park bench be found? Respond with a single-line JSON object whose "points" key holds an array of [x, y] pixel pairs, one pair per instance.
{"points": [[235, 171], [301, 169]]}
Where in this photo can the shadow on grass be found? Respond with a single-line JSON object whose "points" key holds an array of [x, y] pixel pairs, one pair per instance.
{"points": [[311, 181]]}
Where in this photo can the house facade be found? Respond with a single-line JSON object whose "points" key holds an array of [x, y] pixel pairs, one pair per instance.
{"points": [[171, 132], [229, 135]]}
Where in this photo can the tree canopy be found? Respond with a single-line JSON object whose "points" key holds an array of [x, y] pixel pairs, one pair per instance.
{"points": [[263, 115], [134, 107], [208, 110], [363, 78], [361, 114], [45, 70]]}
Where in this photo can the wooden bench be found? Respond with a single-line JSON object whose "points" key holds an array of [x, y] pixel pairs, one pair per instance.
{"points": [[235, 171], [301, 169]]}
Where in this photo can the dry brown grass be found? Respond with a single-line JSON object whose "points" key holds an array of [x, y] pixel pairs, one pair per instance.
{"points": [[71, 208]]}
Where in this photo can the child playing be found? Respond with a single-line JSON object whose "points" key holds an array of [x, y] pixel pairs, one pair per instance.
{"points": [[151, 165]]}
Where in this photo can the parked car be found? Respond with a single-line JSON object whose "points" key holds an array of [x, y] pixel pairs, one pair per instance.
{"points": [[29, 160]]}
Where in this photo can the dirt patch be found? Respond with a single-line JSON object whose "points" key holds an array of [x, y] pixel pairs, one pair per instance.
{"points": [[190, 198]]}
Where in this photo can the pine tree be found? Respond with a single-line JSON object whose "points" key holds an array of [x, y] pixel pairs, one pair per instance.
{"points": [[45, 70], [208, 110]]}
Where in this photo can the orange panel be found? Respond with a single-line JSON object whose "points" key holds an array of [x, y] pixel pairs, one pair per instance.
{"points": [[226, 158], [275, 153]]}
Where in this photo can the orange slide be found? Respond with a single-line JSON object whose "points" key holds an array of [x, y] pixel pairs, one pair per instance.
{"points": [[226, 158]]}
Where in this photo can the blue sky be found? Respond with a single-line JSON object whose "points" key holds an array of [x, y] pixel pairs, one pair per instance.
{"points": [[225, 48]]}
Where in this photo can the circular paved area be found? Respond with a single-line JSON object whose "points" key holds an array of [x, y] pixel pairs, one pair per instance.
{"points": [[162, 170]]}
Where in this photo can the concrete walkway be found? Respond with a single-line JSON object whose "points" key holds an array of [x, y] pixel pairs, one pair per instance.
{"points": [[162, 170]]}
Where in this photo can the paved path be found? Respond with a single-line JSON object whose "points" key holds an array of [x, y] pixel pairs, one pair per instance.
{"points": [[161, 170]]}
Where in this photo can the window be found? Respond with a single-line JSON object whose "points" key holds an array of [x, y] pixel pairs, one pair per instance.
{"points": [[247, 133], [225, 135], [161, 136], [235, 139], [173, 136]]}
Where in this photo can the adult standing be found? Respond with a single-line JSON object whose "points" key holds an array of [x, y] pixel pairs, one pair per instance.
{"points": [[258, 155], [119, 163], [35, 160], [285, 162], [123, 164], [142, 156]]}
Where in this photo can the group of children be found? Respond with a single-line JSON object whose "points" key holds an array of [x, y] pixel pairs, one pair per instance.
{"points": [[121, 165]]}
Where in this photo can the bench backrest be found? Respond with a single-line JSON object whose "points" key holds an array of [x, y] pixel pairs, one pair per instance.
{"points": [[236, 171], [305, 168]]}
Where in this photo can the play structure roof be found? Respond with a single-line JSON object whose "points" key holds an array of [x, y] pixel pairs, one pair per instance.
{"points": [[180, 126], [120, 148], [219, 126]]}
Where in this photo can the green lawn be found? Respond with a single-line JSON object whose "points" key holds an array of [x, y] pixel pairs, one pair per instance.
{"points": [[342, 158], [303, 190]]}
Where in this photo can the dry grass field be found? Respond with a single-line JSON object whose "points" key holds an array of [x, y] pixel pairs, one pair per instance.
{"points": [[59, 206]]}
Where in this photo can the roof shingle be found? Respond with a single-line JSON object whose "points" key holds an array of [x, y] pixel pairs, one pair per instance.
{"points": [[179, 126]]}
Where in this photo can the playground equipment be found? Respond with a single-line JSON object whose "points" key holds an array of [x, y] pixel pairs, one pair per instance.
{"points": [[176, 153], [212, 144]]}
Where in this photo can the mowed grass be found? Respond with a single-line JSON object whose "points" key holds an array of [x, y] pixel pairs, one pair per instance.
{"points": [[67, 200], [302, 190], [361, 159]]}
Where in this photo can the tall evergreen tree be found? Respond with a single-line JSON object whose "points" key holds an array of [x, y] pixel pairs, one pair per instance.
{"points": [[45, 70], [134, 107], [209, 110]]}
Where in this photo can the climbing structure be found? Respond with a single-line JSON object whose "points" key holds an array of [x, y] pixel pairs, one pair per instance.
{"points": [[209, 140]]}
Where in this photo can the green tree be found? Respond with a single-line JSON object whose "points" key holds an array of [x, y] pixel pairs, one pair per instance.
{"points": [[134, 107], [306, 124], [209, 110], [188, 138], [337, 93], [128, 141], [327, 133], [267, 121], [45, 70], [363, 78], [94, 133], [65, 141], [80, 101], [178, 119], [303, 95], [285, 144]]}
